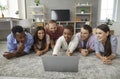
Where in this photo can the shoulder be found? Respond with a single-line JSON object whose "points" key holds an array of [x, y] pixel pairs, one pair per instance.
{"points": [[10, 36], [28, 35], [61, 38], [93, 36], [113, 38], [77, 34]]}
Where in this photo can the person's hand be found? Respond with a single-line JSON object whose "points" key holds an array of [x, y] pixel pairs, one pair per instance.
{"points": [[84, 52], [54, 54], [20, 47], [106, 60], [39, 53], [68, 53]]}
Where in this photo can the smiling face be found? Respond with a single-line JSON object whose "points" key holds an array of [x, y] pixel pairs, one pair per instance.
{"points": [[101, 35], [67, 35], [84, 34], [41, 34], [52, 27]]}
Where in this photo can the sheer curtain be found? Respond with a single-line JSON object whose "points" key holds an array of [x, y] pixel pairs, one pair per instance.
{"points": [[108, 9]]}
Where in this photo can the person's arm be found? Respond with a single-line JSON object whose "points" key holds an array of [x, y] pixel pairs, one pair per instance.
{"points": [[47, 45], [105, 60], [37, 51], [73, 44], [46, 49], [100, 56], [35, 48], [58, 45], [11, 43], [111, 57], [90, 50], [28, 44], [91, 47]]}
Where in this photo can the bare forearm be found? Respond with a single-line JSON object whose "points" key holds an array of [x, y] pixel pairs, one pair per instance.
{"points": [[99, 56], [46, 49], [35, 48], [112, 56], [90, 50]]}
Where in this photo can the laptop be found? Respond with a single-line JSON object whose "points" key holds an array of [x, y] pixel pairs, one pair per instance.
{"points": [[60, 63]]}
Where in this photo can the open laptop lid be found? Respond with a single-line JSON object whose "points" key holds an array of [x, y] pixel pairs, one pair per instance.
{"points": [[60, 63]]}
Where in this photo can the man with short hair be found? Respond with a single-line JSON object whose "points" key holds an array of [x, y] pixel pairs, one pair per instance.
{"points": [[54, 31], [86, 40], [19, 43]]}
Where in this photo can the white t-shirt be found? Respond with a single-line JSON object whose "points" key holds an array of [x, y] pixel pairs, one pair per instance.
{"points": [[61, 43]]}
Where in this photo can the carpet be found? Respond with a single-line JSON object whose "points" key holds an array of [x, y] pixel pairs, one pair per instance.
{"points": [[30, 66]]}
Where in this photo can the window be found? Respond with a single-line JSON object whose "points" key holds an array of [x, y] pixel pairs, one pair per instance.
{"points": [[12, 9], [108, 9]]}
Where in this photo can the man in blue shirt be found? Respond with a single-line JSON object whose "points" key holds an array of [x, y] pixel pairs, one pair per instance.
{"points": [[19, 43]]}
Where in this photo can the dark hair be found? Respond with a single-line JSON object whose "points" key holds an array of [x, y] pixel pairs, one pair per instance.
{"points": [[70, 28], [52, 21], [16, 29], [87, 27], [107, 46], [36, 39]]}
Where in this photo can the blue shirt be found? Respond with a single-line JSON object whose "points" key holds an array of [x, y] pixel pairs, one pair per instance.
{"points": [[12, 43], [99, 48]]}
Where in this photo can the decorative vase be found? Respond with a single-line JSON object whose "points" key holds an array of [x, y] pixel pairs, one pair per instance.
{"points": [[37, 4]]}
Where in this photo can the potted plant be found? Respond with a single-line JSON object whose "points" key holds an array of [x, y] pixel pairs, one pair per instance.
{"points": [[37, 2], [110, 22], [2, 8], [82, 11]]}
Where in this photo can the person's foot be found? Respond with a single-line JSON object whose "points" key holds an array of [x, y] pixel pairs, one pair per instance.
{"points": [[8, 55]]}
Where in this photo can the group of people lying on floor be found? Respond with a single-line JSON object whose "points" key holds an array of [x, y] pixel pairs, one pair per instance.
{"points": [[102, 43]]}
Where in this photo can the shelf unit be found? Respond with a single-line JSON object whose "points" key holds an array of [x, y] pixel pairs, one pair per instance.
{"points": [[64, 23], [83, 15], [37, 13]]}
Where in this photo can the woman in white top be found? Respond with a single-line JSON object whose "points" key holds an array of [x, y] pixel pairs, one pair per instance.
{"points": [[67, 41], [105, 44], [41, 41]]}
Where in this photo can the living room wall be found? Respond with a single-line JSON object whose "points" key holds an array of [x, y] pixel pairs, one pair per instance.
{"points": [[65, 4]]}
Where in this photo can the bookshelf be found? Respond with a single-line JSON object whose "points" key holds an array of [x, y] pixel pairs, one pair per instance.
{"points": [[38, 14], [82, 15]]}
